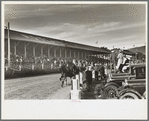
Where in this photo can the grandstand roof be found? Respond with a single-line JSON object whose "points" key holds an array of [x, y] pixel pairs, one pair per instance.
{"points": [[21, 36]]}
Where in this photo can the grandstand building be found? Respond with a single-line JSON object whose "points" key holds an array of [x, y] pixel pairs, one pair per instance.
{"points": [[29, 48]]}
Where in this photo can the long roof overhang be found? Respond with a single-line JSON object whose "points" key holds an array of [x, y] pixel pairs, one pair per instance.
{"points": [[21, 36]]}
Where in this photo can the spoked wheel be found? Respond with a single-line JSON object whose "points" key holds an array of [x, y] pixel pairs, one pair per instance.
{"points": [[129, 95], [110, 92]]}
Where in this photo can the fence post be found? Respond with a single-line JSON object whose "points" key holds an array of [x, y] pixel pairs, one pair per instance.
{"points": [[81, 77], [32, 67], [42, 66], [75, 92], [20, 67]]}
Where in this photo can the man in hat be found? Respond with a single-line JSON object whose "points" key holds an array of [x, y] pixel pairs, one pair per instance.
{"points": [[120, 58], [88, 74]]}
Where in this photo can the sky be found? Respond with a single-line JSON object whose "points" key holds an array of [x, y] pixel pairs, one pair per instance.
{"points": [[100, 25]]}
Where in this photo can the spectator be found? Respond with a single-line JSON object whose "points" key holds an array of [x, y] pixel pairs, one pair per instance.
{"points": [[96, 71], [102, 71], [88, 78], [120, 58], [125, 63]]}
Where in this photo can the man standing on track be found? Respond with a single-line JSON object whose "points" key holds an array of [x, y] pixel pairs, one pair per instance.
{"points": [[88, 77]]}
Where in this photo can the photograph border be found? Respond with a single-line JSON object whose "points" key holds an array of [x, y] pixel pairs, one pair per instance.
{"points": [[82, 109]]}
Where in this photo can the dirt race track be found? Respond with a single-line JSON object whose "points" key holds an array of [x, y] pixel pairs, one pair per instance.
{"points": [[36, 88]]}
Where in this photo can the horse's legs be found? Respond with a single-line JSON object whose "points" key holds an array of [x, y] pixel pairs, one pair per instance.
{"points": [[62, 83], [66, 80], [62, 74]]}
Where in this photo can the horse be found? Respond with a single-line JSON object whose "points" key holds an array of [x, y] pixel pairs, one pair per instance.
{"points": [[68, 70]]}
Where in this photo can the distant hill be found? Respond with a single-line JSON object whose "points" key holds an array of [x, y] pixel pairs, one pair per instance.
{"points": [[141, 49]]}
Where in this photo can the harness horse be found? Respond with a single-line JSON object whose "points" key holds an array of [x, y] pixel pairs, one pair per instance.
{"points": [[68, 70]]}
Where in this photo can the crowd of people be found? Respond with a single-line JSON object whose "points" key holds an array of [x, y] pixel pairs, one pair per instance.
{"points": [[53, 62], [89, 70]]}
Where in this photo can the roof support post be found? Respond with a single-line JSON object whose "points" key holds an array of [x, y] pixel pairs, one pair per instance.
{"points": [[15, 48], [70, 54], [65, 53], [34, 49], [41, 50], [49, 48], [48, 52], [85, 55], [42, 46], [60, 53], [25, 51], [8, 47], [25, 45], [54, 52], [78, 55], [55, 48], [90, 56], [74, 54]]}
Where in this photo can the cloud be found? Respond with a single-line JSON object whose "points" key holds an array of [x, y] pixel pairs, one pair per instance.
{"points": [[126, 42], [79, 23], [113, 26], [33, 10], [123, 39], [75, 32]]}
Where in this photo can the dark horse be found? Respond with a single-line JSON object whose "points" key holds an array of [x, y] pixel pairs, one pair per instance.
{"points": [[68, 70]]}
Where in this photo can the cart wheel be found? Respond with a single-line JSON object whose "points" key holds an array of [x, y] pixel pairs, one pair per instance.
{"points": [[110, 92], [129, 95]]}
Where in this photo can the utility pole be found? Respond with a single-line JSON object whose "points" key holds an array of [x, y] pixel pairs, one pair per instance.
{"points": [[8, 46]]}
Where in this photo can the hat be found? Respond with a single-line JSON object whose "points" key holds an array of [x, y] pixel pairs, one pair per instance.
{"points": [[120, 51]]}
